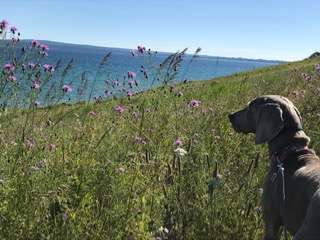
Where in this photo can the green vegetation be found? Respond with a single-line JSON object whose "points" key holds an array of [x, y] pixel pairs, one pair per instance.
{"points": [[86, 171]]}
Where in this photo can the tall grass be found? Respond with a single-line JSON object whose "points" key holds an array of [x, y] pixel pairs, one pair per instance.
{"points": [[116, 169]]}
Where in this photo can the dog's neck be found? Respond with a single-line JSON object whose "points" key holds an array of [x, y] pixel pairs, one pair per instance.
{"points": [[286, 139]]}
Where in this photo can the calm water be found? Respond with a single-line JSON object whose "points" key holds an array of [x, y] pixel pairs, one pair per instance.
{"points": [[87, 58]]}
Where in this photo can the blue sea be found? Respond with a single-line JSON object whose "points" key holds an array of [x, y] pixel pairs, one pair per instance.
{"points": [[82, 73]]}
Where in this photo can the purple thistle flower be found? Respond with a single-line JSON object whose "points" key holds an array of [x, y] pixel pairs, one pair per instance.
{"points": [[4, 24], [44, 47], [51, 147], [119, 109], [131, 74], [141, 49], [194, 103], [317, 67], [13, 29], [9, 67], [178, 142], [35, 43], [306, 76], [35, 84], [12, 78], [129, 93], [67, 88], [92, 114], [48, 68]]}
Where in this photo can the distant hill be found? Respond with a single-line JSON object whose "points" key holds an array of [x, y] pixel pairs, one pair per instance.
{"points": [[314, 55], [59, 46]]}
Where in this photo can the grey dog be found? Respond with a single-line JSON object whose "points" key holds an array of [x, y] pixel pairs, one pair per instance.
{"points": [[291, 192]]}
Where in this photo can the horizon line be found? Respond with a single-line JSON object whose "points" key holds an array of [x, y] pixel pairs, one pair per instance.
{"points": [[161, 51]]}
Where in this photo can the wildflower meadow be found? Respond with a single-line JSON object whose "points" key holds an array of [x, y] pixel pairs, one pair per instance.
{"points": [[134, 164]]}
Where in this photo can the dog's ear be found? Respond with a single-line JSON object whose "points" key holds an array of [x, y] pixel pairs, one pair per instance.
{"points": [[269, 122], [292, 115]]}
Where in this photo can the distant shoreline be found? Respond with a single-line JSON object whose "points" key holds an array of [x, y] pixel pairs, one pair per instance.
{"points": [[93, 47]]}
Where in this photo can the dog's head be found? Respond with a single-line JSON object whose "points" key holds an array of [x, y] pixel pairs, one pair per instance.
{"points": [[266, 116]]}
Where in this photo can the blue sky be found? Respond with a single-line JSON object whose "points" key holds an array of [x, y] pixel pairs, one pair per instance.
{"points": [[269, 29]]}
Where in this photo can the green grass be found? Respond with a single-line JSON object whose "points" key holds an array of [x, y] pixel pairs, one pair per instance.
{"points": [[101, 182]]}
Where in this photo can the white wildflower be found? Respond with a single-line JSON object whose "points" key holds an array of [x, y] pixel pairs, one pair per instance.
{"points": [[180, 151], [163, 230]]}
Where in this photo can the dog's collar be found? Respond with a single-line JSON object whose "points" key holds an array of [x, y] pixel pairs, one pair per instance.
{"points": [[278, 161]]}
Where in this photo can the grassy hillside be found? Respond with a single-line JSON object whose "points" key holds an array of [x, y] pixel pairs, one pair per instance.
{"points": [[87, 171]]}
